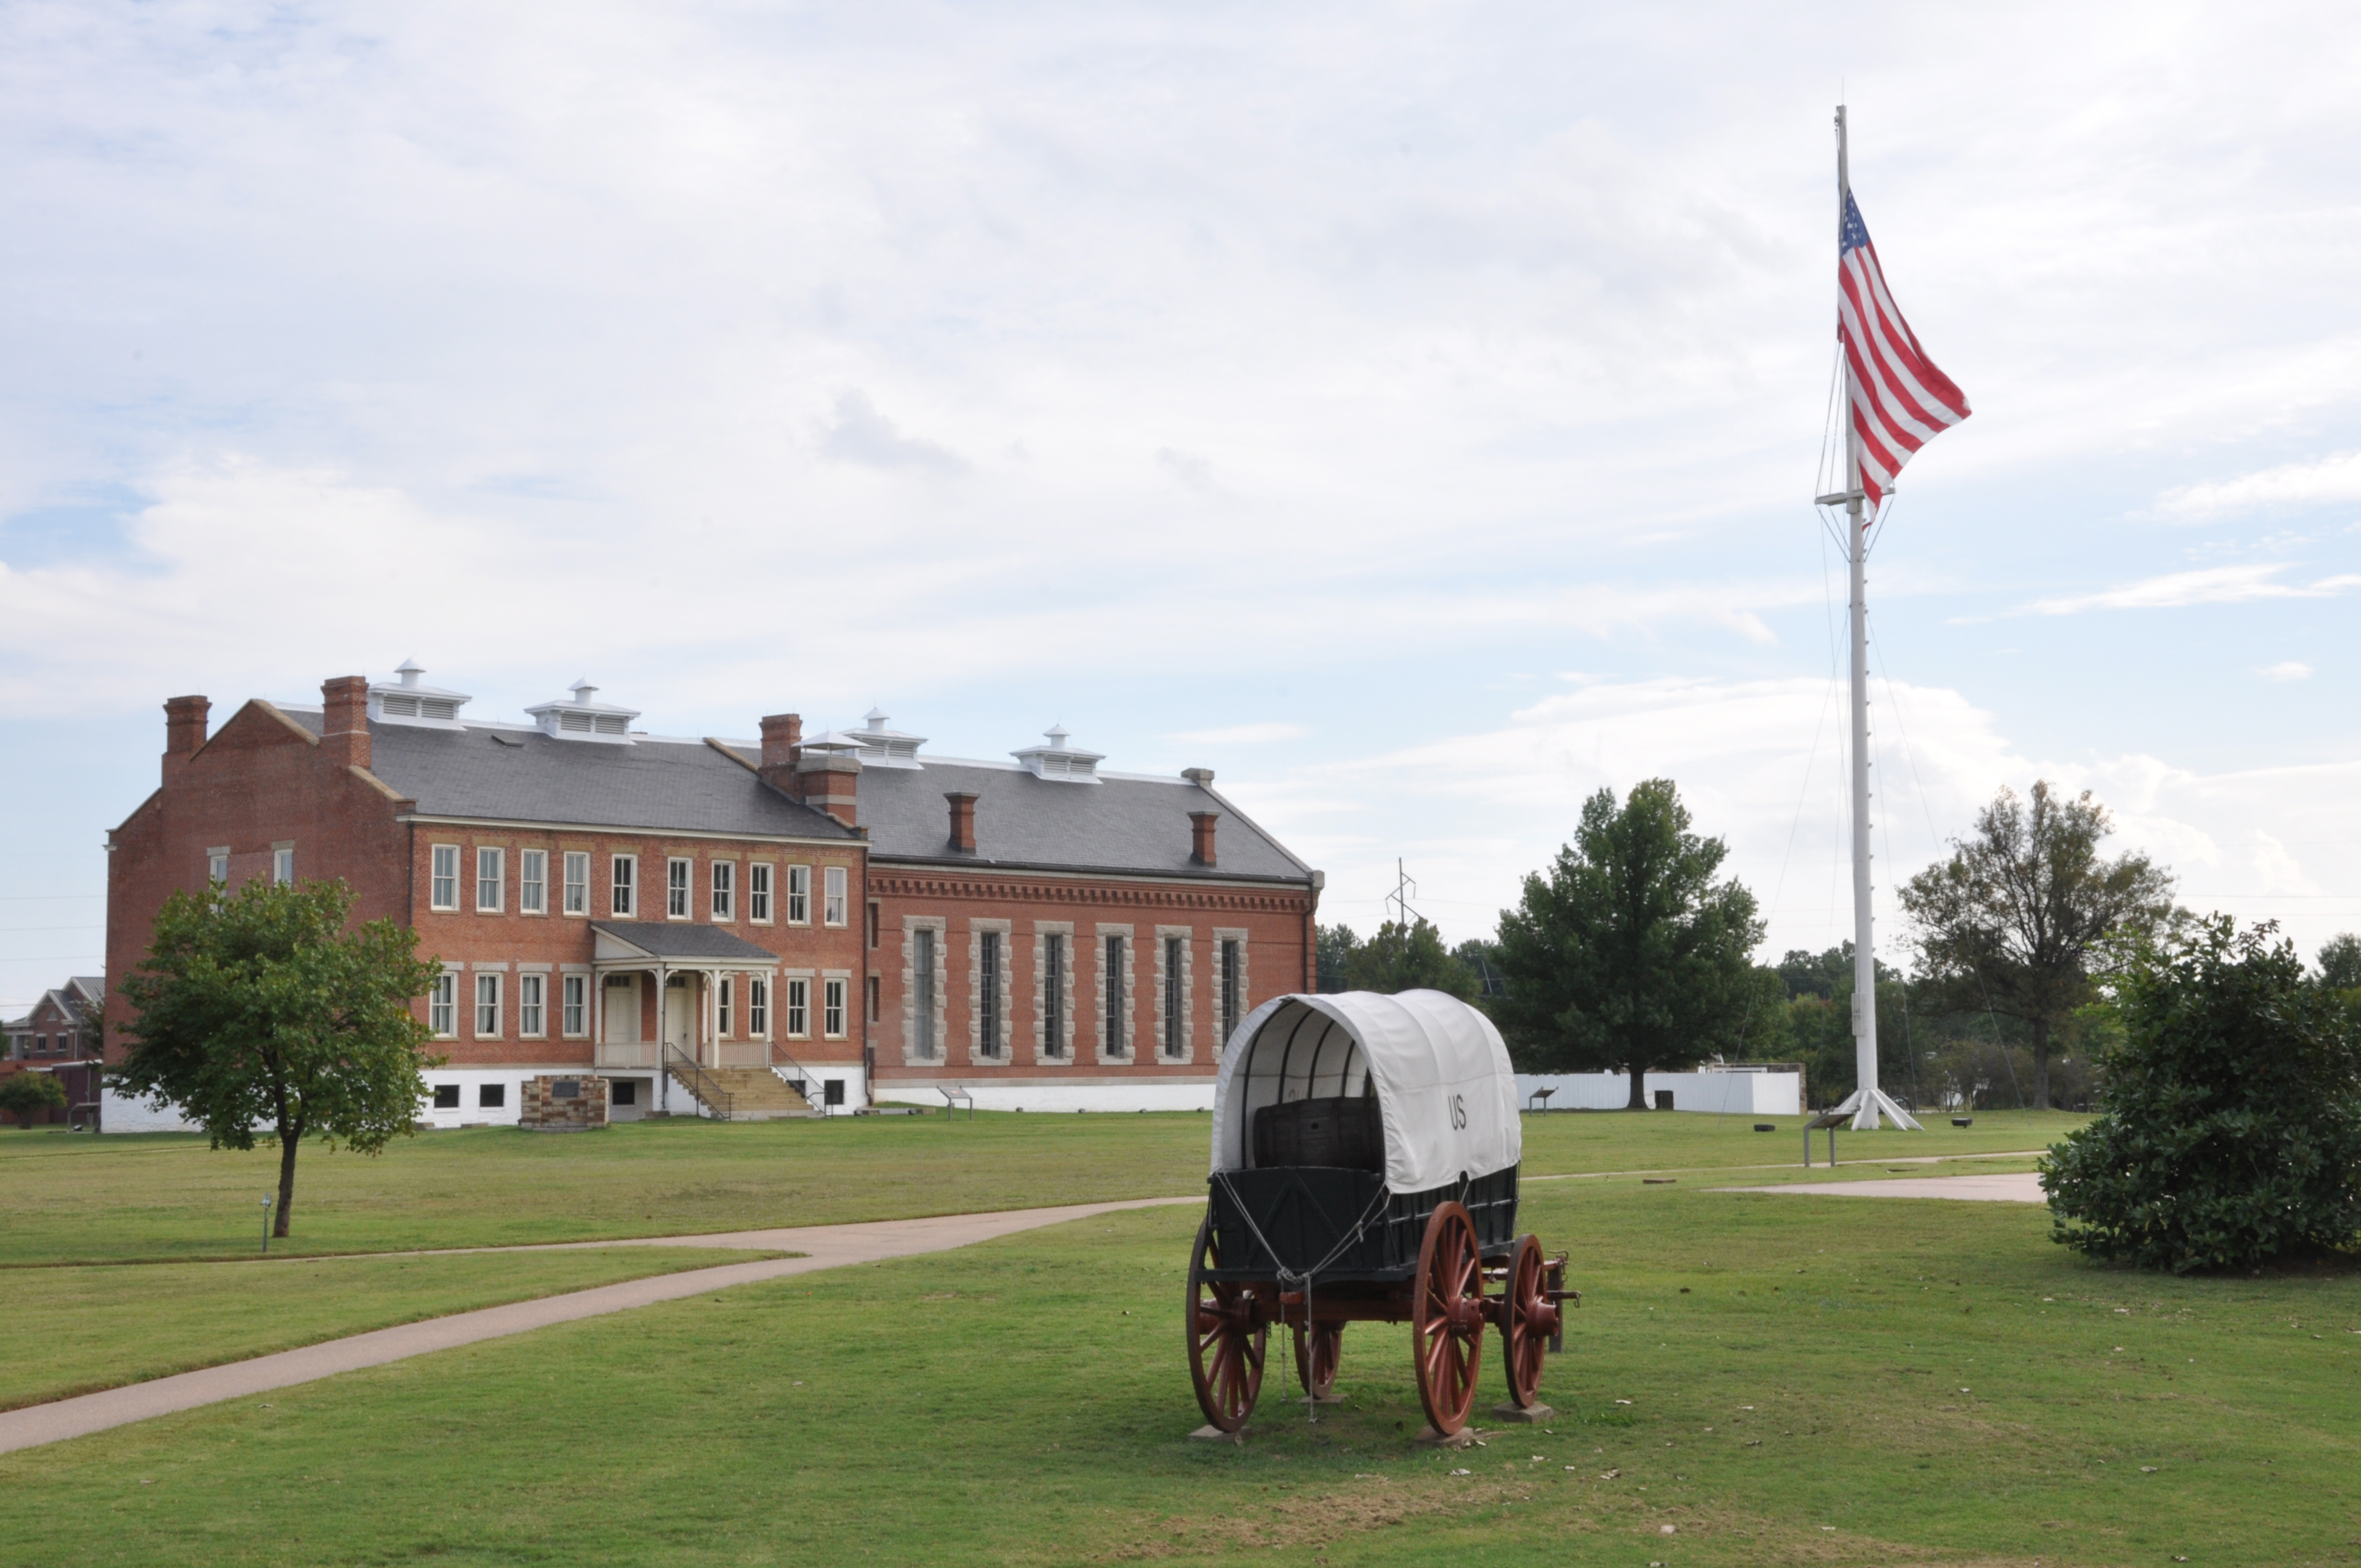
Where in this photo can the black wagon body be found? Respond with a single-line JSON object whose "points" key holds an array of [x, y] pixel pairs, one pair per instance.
{"points": [[1302, 1231]]}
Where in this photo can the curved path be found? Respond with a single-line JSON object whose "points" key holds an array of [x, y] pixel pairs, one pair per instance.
{"points": [[825, 1246]]}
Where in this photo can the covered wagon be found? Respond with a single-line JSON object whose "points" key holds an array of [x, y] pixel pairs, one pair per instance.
{"points": [[1365, 1170]]}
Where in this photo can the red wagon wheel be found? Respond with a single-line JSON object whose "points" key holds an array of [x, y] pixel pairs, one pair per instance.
{"points": [[1447, 1317], [1316, 1355], [1528, 1318], [1227, 1332]]}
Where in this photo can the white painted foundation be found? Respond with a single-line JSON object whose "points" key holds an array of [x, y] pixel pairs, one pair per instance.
{"points": [[1065, 1097]]}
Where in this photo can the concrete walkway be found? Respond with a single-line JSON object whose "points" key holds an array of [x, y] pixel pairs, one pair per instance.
{"points": [[826, 1246], [2022, 1187]]}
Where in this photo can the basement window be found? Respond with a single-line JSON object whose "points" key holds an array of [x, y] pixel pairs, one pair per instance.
{"points": [[447, 1097], [492, 1096]]}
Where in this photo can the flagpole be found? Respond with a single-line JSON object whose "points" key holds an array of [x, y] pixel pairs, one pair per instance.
{"points": [[1868, 1100]]}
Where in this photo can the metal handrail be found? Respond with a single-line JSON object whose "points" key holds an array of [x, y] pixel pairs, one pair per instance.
{"points": [[806, 1084], [709, 1089]]}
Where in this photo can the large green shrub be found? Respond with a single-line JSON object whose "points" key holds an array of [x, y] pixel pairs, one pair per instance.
{"points": [[2231, 1134]]}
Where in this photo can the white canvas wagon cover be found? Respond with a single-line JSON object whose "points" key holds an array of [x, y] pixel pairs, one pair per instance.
{"points": [[1446, 1096]]}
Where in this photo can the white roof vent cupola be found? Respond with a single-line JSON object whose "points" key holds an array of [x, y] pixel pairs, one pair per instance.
{"points": [[1059, 762], [412, 701], [578, 717], [884, 748]]}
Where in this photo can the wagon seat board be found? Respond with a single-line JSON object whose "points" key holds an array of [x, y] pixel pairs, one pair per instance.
{"points": [[1330, 1106]]}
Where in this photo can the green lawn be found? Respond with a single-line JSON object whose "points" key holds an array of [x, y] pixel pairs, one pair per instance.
{"points": [[1825, 1380], [71, 1331], [73, 1197]]}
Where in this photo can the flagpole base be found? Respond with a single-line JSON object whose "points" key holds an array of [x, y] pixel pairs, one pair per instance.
{"points": [[1865, 1105]]}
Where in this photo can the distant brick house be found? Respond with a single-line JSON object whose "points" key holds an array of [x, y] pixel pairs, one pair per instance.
{"points": [[702, 922], [61, 1037]]}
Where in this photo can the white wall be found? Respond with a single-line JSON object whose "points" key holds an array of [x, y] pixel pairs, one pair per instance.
{"points": [[120, 1113], [1188, 1094], [1729, 1094]]}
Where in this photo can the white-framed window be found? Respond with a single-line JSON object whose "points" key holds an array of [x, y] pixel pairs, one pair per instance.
{"points": [[488, 1006], [532, 881], [531, 989], [624, 889], [798, 1009], [722, 1008], [677, 872], [758, 891], [832, 910], [832, 1007], [576, 1018], [724, 890], [799, 895], [443, 1004], [490, 870], [217, 865], [758, 1008], [443, 890], [283, 866], [578, 881]]}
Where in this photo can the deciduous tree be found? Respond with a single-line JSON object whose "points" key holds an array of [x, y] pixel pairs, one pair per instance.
{"points": [[1408, 957], [1627, 955], [2340, 963], [259, 1012], [2012, 920], [29, 1094], [2231, 1134]]}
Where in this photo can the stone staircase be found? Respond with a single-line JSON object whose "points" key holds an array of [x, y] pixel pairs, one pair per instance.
{"points": [[756, 1093]]}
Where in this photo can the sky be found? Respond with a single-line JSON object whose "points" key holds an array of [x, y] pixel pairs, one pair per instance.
{"points": [[1411, 411]]}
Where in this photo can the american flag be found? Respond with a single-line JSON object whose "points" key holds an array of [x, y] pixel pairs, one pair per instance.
{"points": [[1900, 401]]}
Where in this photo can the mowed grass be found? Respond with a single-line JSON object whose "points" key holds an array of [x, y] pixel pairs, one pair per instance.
{"points": [[74, 1198], [1811, 1379], [73, 1330]]}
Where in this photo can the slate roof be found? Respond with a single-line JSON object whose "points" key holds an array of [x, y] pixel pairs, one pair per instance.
{"points": [[511, 773], [1120, 824], [683, 939]]}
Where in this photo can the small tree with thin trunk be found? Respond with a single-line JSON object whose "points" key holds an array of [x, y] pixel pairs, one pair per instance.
{"points": [[1628, 956], [259, 1012], [2012, 921], [29, 1094]]}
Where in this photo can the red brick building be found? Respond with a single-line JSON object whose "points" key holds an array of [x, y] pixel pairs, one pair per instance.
{"points": [[703, 922], [60, 1037]]}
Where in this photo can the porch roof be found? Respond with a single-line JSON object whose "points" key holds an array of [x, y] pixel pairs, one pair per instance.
{"points": [[684, 943]]}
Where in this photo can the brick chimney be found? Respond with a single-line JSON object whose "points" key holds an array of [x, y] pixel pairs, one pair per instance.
{"points": [[184, 731], [343, 729], [962, 821], [1201, 835], [783, 736], [831, 782]]}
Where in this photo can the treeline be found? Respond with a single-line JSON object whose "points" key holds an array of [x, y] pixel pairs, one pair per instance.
{"points": [[1630, 953]]}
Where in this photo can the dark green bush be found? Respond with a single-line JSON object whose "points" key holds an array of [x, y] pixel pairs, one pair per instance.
{"points": [[2232, 1136]]}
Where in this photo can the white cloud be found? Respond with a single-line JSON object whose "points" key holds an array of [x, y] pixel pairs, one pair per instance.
{"points": [[2289, 670], [1759, 763], [2213, 585], [859, 434], [2336, 478]]}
